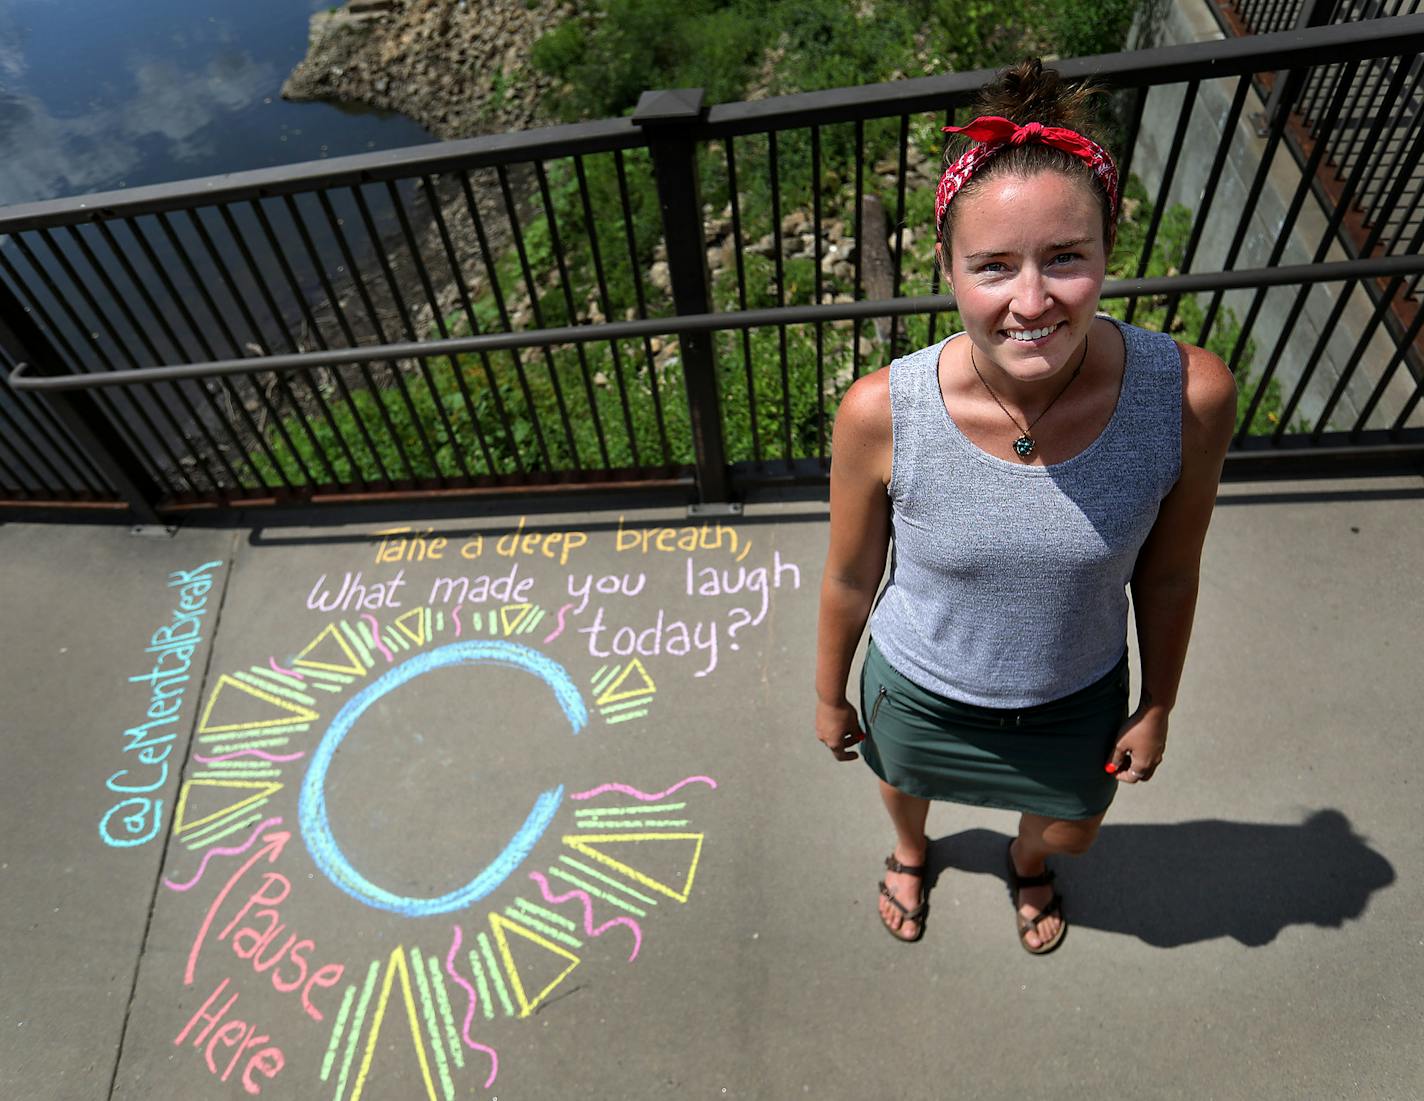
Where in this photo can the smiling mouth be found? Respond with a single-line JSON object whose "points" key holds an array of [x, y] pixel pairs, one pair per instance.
{"points": [[1032, 336]]}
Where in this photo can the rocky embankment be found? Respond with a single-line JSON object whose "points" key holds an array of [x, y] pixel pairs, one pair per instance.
{"points": [[457, 67]]}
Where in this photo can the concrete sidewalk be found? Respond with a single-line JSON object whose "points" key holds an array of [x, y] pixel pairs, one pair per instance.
{"points": [[531, 809]]}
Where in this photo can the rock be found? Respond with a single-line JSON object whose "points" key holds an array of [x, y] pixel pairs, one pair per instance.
{"points": [[795, 222], [659, 276]]}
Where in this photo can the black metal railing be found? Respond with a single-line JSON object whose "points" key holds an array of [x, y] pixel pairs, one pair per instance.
{"points": [[1270, 16], [1356, 130], [510, 314]]}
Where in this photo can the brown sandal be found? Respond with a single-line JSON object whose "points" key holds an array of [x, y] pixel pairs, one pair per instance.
{"points": [[917, 914], [1027, 925]]}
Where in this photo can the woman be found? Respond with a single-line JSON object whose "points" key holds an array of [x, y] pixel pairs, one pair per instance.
{"points": [[1029, 469]]}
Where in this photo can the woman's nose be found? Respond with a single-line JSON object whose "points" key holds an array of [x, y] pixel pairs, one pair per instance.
{"points": [[1031, 296]]}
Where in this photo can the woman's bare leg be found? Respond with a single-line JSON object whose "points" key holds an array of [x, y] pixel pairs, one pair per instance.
{"points": [[908, 813], [1038, 839]]}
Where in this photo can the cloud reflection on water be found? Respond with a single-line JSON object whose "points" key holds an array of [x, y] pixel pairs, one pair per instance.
{"points": [[49, 155]]}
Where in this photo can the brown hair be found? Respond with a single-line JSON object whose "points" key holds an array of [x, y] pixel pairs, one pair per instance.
{"points": [[1024, 93]]}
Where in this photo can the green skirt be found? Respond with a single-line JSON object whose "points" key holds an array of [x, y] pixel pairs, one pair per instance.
{"points": [[1046, 759]]}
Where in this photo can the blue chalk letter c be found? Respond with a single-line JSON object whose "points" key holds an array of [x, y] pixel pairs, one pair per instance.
{"points": [[311, 807]]}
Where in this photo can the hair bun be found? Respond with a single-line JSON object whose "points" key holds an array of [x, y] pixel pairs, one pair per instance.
{"points": [[1028, 92]]}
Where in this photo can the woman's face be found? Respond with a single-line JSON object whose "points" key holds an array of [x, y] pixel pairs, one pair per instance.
{"points": [[1027, 265]]}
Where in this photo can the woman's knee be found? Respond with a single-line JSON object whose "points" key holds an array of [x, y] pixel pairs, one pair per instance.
{"points": [[1072, 838]]}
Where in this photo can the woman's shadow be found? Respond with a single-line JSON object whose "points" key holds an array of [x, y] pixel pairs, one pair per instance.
{"points": [[1185, 882]]}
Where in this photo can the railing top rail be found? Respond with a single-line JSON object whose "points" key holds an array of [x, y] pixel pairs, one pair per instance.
{"points": [[23, 376], [599, 136], [1164, 65]]}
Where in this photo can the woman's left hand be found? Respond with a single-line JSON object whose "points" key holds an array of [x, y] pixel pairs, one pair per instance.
{"points": [[1143, 739]]}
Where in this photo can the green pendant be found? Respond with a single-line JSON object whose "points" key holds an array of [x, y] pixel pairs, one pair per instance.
{"points": [[1024, 446]]}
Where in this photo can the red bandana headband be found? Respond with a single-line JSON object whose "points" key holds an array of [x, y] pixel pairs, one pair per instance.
{"points": [[995, 134]]}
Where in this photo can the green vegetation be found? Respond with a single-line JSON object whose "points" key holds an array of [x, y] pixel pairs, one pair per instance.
{"points": [[623, 403], [616, 49]]}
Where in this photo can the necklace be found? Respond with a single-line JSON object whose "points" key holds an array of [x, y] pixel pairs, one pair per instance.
{"points": [[1025, 444]]}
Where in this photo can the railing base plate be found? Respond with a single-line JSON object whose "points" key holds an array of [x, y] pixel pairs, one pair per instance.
{"points": [[154, 531], [714, 509]]}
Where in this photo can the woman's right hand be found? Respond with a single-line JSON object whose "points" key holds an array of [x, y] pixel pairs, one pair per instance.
{"points": [[838, 728]]}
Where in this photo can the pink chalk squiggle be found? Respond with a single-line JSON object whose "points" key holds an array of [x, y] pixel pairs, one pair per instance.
{"points": [[588, 928], [643, 795], [289, 672], [470, 1011], [376, 638], [560, 628], [455, 615], [280, 758], [203, 867]]}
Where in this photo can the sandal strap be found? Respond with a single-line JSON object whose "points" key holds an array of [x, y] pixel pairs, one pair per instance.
{"points": [[1054, 907], [909, 914], [1043, 879], [904, 869]]}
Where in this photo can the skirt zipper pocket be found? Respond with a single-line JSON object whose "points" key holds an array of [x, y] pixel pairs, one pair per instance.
{"points": [[875, 710]]}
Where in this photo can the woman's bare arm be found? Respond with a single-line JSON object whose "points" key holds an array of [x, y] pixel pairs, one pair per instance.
{"points": [[1164, 582], [860, 535]]}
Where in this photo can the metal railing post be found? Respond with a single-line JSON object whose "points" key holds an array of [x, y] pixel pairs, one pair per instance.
{"points": [[667, 118], [79, 412]]}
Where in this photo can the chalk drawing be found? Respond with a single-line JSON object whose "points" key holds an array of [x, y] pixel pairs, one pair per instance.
{"points": [[375, 627], [432, 1027], [336, 1031], [611, 863], [207, 856], [624, 789], [590, 845], [279, 758], [442, 1002], [355, 1034], [288, 710], [396, 967], [588, 926], [569, 877], [501, 927], [470, 1012], [312, 814], [257, 790], [223, 831], [559, 629], [518, 914]]}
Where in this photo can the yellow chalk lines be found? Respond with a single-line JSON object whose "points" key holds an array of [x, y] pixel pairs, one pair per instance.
{"points": [[622, 692]]}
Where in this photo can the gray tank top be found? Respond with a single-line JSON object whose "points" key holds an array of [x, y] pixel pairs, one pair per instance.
{"points": [[1008, 582]]}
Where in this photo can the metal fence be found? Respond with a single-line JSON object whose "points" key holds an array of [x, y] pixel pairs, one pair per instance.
{"points": [[678, 298], [1269, 16]]}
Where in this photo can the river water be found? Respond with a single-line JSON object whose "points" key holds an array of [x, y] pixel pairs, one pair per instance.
{"points": [[104, 94]]}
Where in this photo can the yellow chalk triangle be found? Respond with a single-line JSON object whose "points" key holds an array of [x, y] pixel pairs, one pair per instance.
{"points": [[396, 966], [511, 624], [329, 633], [499, 923], [585, 843], [615, 691], [290, 712], [259, 789], [416, 636]]}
